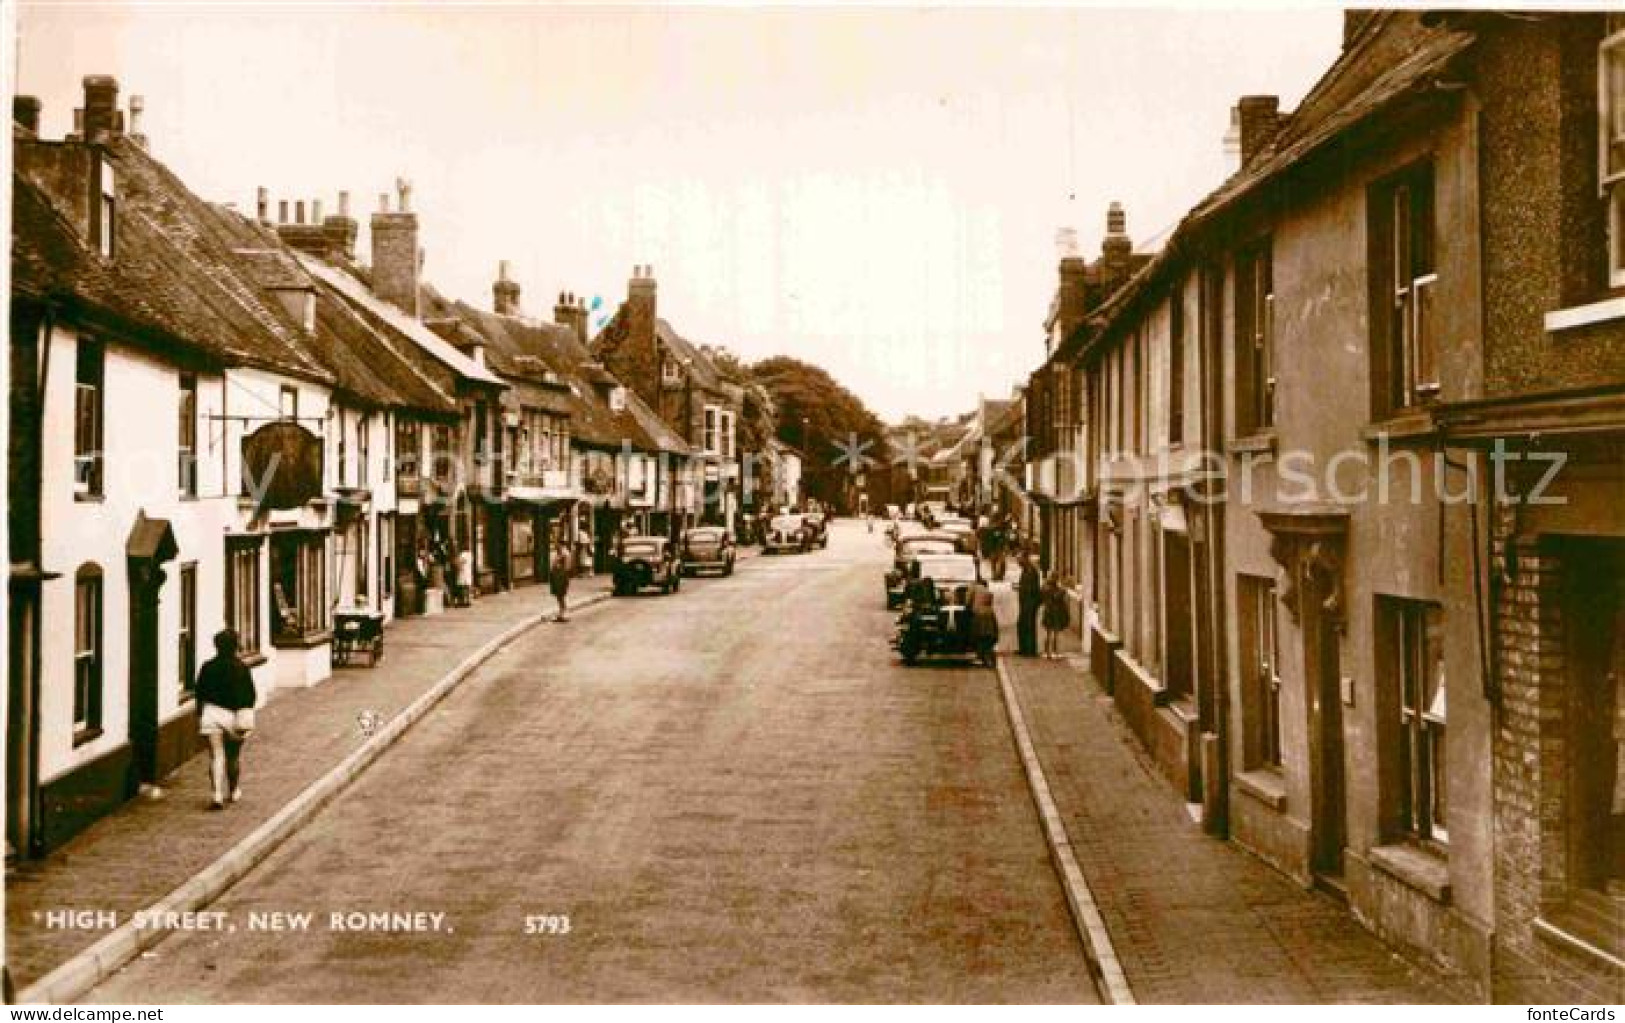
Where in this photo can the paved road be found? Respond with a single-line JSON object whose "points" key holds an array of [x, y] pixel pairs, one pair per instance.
{"points": [[733, 793]]}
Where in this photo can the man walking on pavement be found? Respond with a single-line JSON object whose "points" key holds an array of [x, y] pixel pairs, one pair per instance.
{"points": [[1029, 592], [558, 579]]}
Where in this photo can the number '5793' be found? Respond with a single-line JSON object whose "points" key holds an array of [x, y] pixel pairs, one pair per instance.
{"points": [[545, 925]]}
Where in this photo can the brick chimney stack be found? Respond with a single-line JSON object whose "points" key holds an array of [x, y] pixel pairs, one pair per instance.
{"points": [[1116, 251], [262, 204], [641, 309], [25, 113], [396, 259], [1260, 118], [505, 292], [340, 231], [1072, 294], [581, 315], [564, 311], [103, 121]]}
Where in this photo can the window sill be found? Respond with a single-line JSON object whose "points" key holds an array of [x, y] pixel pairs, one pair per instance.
{"points": [[252, 659], [1575, 317], [1262, 442], [85, 735], [304, 642], [1415, 866], [1406, 426], [1266, 786], [90, 498]]}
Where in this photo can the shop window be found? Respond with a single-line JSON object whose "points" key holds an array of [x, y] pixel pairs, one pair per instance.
{"points": [[299, 587], [1176, 365], [87, 654], [1594, 620]]}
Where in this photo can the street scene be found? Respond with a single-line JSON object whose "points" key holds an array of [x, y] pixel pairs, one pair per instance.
{"points": [[913, 506]]}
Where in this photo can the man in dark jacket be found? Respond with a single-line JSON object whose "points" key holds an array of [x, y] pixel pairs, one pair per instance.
{"points": [[1029, 593], [225, 689]]}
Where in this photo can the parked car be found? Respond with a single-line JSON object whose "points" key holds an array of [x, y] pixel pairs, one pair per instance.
{"points": [[937, 620], [908, 548], [645, 562], [708, 547], [786, 533], [817, 524], [963, 530]]}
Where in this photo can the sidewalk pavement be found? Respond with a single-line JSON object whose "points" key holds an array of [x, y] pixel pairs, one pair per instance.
{"points": [[137, 855], [1192, 919]]}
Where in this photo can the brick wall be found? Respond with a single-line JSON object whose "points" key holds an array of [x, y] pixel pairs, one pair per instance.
{"points": [[1530, 777]]}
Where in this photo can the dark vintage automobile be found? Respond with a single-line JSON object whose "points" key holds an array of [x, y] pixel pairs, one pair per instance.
{"points": [[708, 548], [647, 561], [786, 533], [908, 548], [963, 530], [817, 525], [936, 618]]}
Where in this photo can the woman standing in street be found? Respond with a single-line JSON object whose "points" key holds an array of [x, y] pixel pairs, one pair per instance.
{"points": [[225, 707], [558, 580], [1057, 617]]}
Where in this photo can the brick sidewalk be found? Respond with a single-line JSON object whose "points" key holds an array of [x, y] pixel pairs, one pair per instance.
{"points": [[135, 856], [1193, 919]]}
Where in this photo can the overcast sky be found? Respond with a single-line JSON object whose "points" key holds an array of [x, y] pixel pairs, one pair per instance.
{"points": [[876, 191]]}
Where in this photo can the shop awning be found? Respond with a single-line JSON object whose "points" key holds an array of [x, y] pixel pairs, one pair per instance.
{"points": [[151, 540]]}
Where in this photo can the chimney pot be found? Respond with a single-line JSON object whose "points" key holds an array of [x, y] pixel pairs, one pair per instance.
{"points": [[315, 211], [79, 121], [262, 204], [299, 211], [137, 107], [344, 204], [282, 211], [403, 193], [25, 112], [383, 202]]}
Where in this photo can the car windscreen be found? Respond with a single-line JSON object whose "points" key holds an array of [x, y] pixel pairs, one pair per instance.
{"points": [[787, 522], [640, 548], [706, 536], [932, 545]]}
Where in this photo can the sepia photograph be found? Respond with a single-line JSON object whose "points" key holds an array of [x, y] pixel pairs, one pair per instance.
{"points": [[883, 504]]}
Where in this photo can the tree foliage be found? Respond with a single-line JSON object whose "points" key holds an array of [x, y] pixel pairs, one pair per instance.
{"points": [[827, 423]]}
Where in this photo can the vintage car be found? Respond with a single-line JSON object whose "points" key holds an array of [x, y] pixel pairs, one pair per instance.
{"points": [[708, 548], [647, 561], [818, 527], [908, 548], [786, 533], [936, 620]]}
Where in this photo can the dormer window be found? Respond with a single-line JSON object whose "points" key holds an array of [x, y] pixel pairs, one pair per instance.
{"points": [[106, 208], [670, 371], [617, 399]]}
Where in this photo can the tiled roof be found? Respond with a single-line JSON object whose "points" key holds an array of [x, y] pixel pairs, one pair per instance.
{"points": [[383, 313], [525, 348], [175, 262]]}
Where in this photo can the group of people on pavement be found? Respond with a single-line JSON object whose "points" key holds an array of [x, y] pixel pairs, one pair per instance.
{"points": [[1041, 599]]}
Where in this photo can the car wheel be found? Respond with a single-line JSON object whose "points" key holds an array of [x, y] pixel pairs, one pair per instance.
{"points": [[909, 652]]}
